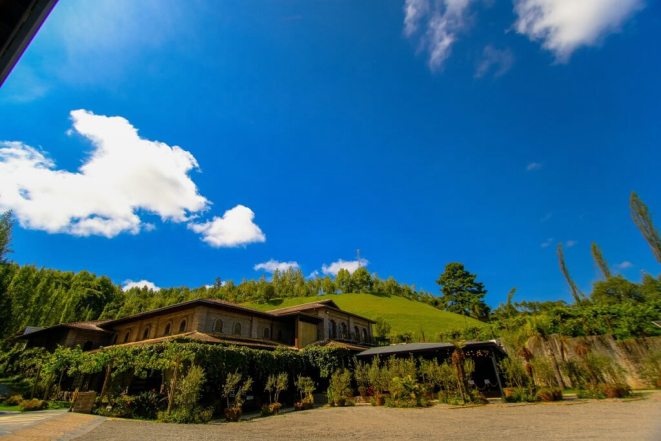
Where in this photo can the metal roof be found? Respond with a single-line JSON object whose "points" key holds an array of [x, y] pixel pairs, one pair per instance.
{"points": [[425, 347]]}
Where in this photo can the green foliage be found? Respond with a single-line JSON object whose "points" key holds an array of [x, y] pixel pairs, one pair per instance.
{"points": [[462, 294], [651, 369], [305, 387], [643, 219], [6, 226], [234, 388], [339, 387], [33, 404], [276, 384]]}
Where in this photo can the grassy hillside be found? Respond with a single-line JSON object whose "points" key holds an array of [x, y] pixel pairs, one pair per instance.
{"points": [[404, 315]]}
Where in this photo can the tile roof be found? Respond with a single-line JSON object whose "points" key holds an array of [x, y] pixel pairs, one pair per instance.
{"points": [[208, 337]]}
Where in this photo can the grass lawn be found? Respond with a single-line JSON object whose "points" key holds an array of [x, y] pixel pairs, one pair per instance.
{"points": [[4, 408], [404, 315]]}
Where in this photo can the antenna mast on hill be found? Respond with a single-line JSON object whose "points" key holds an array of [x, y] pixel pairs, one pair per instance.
{"points": [[358, 256]]}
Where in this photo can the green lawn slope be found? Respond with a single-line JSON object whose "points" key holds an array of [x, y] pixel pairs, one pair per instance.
{"points": [[404, 315]]}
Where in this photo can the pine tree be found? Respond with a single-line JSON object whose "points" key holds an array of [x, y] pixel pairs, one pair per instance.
{"points": [[643, 220]]}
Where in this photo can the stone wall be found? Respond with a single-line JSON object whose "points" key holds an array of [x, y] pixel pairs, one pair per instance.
{"points": [[626, 353]]}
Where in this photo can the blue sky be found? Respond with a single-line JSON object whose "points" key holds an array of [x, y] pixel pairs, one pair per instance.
{"points": [[422, 133]]}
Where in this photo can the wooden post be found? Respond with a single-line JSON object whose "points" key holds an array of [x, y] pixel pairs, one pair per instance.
{"points": [[106, 380], [36, 382], [495, 369], [296, 333]]}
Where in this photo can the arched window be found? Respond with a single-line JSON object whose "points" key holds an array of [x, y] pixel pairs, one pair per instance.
{"points": [[356, 333], [168, 329], [182, 326], [88, 346], [364, 334], [218, 326], [279, 334], [343, 330], [127, 336], [267, 333], [145, 333], [237, 328], [114, 339], [332, 329]]}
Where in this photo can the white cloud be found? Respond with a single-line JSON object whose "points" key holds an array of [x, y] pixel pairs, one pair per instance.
{"points": [[570, 243], [497, 60], [533, 166], [547, 243], [234, 229], [273, 265], [565, 25], [124, 173], [313, 274], [440, 21], [128, 284], [350, 265], [623, 265]]}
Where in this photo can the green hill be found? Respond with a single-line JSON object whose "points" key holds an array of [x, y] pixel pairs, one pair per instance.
{"points": [[404, 315]]}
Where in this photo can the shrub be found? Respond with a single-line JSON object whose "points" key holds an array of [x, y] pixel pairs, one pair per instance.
{"points": [[188, 393], [14, 400], [339, 387], [34, 404], [549, 394], [651, 369], [147, 404], [305, 386], [275, 385], [232, 388], [405, 392], [186, 416]]}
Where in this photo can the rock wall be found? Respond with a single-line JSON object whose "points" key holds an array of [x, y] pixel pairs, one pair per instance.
{"points": [[626, 353]]}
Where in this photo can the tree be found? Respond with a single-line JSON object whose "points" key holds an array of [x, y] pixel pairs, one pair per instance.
{"points": [[616, 290], [575, 292], [381, 328], [361, 281], [600, 261], [6, 225], [540, 328], [462, 294], [343, 281], [643, 220]]}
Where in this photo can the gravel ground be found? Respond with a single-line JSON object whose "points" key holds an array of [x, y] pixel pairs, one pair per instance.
{"points": [[604, 420]]}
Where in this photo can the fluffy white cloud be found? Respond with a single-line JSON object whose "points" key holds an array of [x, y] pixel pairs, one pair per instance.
{"points": [[547, 243], [493, 59], [439, 22], [570, 243], [313, 274], [128, 284], [533, 166], [349, 265], [565, 25], [273, 265], [234, 229], [623, 265], [124, 173]]}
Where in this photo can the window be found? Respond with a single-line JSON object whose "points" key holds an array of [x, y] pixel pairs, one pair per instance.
{"points": [[114, 339], [343, 330], [364, 334], [145, 333], [168, 329], [356, 333], [267, 333], [279, 334], [182, 326], [237, 329], [218, 326], [88, 346], [127, 336], [332, 329]]}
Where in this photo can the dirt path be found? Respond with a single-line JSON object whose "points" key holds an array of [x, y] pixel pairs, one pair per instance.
{"points": [[605, 420]]}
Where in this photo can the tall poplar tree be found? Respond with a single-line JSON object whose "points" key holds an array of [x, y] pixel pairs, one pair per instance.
{"points": [[575, 292], [600, 261], [643, 220]]}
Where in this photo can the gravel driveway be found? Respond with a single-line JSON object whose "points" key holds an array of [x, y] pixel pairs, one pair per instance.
{"points": [[604, 420]]}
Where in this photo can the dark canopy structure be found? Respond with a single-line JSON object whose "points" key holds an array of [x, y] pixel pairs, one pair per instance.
{"points": [[19, 22]]}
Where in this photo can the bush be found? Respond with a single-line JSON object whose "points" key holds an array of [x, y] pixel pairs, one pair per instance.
{"points": [[339, 387], [187, 416], [14, 400], [549, 394], [147, 404], [519, 395], [33, 404], [651, 369], [119, 407]]}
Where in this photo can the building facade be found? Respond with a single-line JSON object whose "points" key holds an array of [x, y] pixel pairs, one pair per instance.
{"points": [[216, 321]]}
